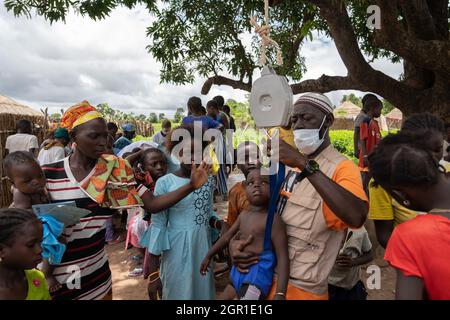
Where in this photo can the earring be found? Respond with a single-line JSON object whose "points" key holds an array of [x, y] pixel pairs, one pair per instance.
{"points": [[406, 203]]}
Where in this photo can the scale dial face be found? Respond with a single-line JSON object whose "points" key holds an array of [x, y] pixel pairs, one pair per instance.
{"points": [[271, 100]]}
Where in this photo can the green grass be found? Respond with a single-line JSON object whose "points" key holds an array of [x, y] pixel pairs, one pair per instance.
{"points": [[342, 140]]}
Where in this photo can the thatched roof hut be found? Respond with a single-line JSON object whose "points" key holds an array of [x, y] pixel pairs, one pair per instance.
{"points": [[10, 112], [347, 110], [394, 119], [395, 114], [344, 116], [9, 106]]}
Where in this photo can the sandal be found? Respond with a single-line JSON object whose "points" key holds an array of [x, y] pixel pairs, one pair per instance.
{"points": [[137, 258], [136, 272]]}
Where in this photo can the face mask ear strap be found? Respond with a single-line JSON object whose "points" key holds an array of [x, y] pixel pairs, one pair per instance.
{"points": [[323, 122]]}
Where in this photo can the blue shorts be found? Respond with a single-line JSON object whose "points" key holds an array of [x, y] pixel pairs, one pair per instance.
{"points": [[259, 274]]}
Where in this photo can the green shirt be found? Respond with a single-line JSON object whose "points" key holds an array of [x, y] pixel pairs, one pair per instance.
{"points": [[37, 285]]}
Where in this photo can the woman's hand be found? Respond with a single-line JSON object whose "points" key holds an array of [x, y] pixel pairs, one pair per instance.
{"points": [[243, 260], [204, 267], [199, 175]]}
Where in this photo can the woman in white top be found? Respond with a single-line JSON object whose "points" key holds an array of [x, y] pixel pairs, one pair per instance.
{"points": [[23, 140], [54, 149]]}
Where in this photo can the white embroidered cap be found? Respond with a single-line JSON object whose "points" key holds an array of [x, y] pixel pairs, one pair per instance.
{"points": [[317, 100]]}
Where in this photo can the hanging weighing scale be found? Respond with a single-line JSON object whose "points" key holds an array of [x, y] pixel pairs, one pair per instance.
{"points": [[271, 99]]}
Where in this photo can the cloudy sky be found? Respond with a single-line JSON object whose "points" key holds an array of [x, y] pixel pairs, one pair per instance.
{"points": [[57, 65]]}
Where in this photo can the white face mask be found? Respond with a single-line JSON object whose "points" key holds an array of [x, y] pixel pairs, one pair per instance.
{"points": [[308, 140]]}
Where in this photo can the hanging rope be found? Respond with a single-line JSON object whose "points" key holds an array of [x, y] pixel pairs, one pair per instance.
{"points": [[264, 33]]}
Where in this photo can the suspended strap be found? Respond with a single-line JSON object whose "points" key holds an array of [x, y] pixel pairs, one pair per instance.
{"points": [[276, 180]]}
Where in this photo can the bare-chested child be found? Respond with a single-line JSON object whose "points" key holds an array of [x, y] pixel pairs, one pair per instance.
{"points": [[29, 188], [257, 283], [27, 179]]}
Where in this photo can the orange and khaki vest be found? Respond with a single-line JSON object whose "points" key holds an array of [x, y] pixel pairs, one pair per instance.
{"points": [[313, 247]]}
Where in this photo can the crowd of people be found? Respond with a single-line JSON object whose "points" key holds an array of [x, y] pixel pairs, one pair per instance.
{"points": [[302, 238]]}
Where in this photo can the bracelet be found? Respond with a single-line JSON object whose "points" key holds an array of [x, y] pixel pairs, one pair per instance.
{"points": [[153, 281], [152, 274], [280, 294]]}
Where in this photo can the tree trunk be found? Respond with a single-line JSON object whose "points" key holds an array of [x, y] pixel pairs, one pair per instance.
{"points": [[435, 100]]}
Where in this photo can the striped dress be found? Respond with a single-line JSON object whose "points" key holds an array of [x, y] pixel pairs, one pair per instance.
{"points": [[85, 254], [221, 178]]}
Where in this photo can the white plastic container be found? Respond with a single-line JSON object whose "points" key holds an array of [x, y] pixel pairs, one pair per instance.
{"points": [[271, 99]]}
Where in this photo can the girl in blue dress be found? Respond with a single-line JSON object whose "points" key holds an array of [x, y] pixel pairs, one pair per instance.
{"points": [[181, 235]]}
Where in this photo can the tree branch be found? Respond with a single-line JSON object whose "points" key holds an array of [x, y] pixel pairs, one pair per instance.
{"points": [[220, 80], [439, 12], [335, 13], [326, 84], [419, 19], [429, 54], [323, 84]]}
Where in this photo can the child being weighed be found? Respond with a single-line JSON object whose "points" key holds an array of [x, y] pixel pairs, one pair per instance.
{"points": [[256, 284]]}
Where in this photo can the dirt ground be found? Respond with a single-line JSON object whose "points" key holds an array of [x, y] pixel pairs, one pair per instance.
{"points": [[128, 288], [121, 262]]}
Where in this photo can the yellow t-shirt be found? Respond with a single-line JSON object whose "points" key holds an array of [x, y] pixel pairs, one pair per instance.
{"points": [[383, 207], [445, 164], [285, 135], [215, 166], [37, 285]]}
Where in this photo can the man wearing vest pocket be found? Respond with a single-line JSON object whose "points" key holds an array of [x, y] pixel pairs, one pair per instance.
{"points": [[321, 197]]}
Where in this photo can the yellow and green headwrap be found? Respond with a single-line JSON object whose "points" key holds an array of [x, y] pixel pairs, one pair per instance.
{"points": [[79, 114]]}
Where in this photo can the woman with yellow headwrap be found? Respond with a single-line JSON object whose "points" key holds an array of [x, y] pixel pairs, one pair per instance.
{"points": [[99, 183]]}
